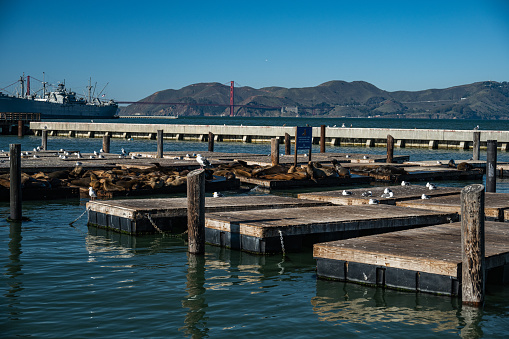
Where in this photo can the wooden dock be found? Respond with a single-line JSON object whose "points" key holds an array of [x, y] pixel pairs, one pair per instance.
{"points": [[496, 205], [425, 259], [138, 216], [261, 231], [362, 196]]}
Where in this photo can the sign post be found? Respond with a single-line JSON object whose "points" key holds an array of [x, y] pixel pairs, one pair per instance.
{"points": [[303, 140]]}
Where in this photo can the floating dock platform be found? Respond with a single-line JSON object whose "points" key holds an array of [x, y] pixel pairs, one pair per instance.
{"points": [[496, 205], [426, 259], [362, 196], [292, 229], [148, 216]]}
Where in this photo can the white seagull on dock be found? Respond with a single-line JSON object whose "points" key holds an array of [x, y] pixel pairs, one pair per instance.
{"points": [[424, 197], [218, 195], [202, 161], [92, 193]]}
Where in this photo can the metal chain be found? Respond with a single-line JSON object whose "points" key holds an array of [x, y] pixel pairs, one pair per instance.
{"points": [[163, 233], [78, 218], [282, 243]]}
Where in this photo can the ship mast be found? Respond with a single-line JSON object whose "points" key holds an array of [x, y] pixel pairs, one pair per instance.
{"points": [[22, 80], [43, 86], [89, 87]]}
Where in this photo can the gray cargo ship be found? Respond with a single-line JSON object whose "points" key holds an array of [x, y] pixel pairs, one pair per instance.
{"points": [[57, 104]]}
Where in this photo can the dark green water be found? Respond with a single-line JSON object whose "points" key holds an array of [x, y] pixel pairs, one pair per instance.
{"points": [[60, 281]]}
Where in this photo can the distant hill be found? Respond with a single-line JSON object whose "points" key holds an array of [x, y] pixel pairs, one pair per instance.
{"points": [[480, 100]]}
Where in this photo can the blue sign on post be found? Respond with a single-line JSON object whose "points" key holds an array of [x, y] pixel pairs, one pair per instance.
{"points": [[304, 138]]}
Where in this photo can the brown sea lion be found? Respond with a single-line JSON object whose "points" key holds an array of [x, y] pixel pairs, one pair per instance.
{"points": [[464, 166], [276, 169]]}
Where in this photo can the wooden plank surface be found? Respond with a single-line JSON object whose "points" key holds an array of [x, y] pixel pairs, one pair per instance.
{"points": [[495, 204], [287, 184], [168, 207], [324, 219], [400, 193], [433, 249]]}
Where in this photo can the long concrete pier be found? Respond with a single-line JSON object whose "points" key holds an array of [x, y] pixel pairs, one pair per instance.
{"points": [[338, 136]]}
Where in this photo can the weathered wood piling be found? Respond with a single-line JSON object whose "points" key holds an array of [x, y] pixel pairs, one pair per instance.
{"points": [[196, 211], [15, 182]]}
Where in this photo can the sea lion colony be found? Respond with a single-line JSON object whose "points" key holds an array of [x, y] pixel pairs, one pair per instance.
{"points": [[157, 177]]}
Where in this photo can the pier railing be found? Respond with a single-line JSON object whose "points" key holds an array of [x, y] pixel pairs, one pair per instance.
{"points": [[11, 117], [338, 136]]}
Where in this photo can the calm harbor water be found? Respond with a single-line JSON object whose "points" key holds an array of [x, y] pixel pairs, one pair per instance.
{"points": [[74, 281]]}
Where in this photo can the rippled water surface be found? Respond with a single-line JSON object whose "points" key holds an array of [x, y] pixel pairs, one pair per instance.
{"points": [[73, 281]]}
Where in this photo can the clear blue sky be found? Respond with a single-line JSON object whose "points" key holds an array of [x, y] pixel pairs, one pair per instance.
{"points": [[141, 47]]}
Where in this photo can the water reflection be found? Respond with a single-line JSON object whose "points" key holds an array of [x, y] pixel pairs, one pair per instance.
{"points": [[195, 323], [13, 269], [341, 302]]}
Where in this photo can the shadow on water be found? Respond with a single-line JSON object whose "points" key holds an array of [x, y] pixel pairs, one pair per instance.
{"points": [[14, 270]]}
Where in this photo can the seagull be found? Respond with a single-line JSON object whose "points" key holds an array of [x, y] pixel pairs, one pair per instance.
{"points": [[92, 193], [36, 150], [424, 197], [439, 163], [405, 183], [476, 127], [66, 153], [365, 157], [95, 153], [387, 195], [79, 155], [133, 157], [367, 194], [347, 156], [123, 151], [373, 202], [101, 156], [218, 195], [101, 150], [79, 164], [202, 161], [432, 187], [92, 157], [346, 192], [387, 190], [36, 156]]}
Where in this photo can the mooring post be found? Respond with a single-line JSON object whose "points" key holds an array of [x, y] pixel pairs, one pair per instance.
{"points": [[274, 151], [476, 145], [472, 245], [390, 149], [196, 211], [159, 143], [20, 128], [491, 166], [322, 138], [106, 143], [15, 181], [288, 144], [211, 142], [44, 143]]}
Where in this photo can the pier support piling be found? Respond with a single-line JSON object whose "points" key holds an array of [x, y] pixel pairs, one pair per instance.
{"points": [[274, 151], [196, 211], [20, 128], [15, 182], [106, 143], [44, 142], [491, 166], [322, 138], [390, 149], [476, 145], [159, 143], [472, 245], [211, 142], [288, 144]]}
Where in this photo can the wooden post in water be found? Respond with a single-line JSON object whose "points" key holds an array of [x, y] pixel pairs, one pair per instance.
{"points": [[211, 142], [196, 211], [44, 143], [472, 245], [15, 181], [274, 151], [390, 149], [491, 166], [476, 145], [106, 143], [20, 128], [288, 144], [159, 143], [322, 138]]}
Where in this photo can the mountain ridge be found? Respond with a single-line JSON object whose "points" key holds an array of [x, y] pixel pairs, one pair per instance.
{"points": [[335, 98]]}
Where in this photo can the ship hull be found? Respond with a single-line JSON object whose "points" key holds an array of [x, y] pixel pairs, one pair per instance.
{"points": [[50, 110]]}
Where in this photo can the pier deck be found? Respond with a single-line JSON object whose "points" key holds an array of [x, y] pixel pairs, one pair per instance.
{"points": [[496, 205], [425, 259], [261, 231], [401, 193], [170, 214]]}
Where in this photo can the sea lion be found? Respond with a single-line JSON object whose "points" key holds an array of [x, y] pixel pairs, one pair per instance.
{"points": [[310, 171], [276, 169], [464, 166]]}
